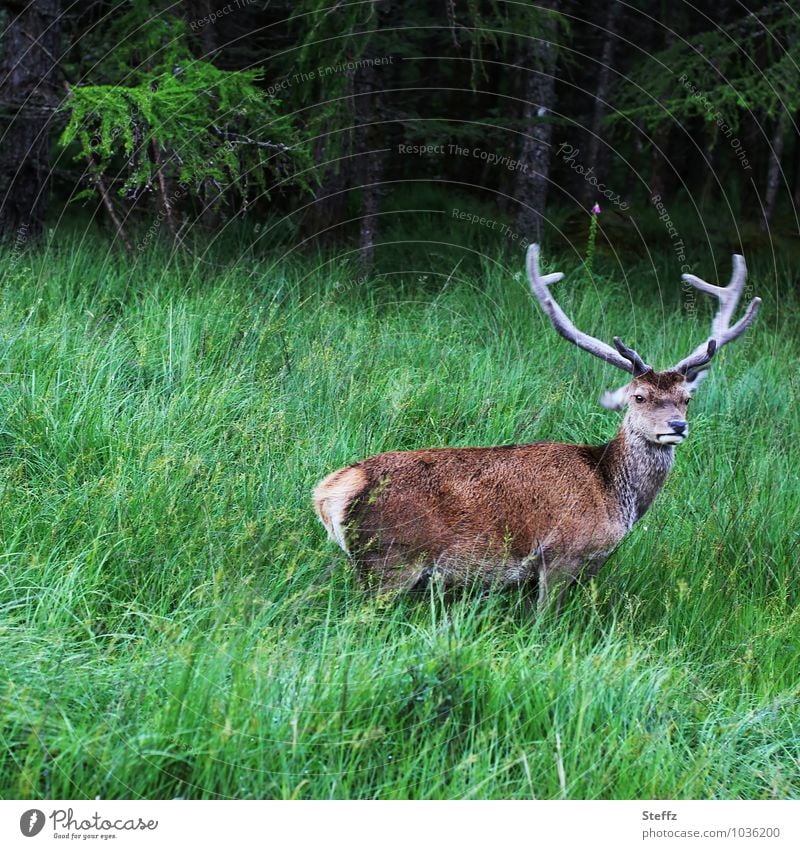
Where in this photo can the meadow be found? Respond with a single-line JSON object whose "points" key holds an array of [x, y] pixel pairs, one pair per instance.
{"points": [[174, 622]]}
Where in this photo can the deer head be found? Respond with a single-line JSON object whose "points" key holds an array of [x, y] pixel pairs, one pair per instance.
{"points": [[656, 401]]}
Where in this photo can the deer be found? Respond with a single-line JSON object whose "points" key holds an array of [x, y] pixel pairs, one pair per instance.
{"points": [[540, 515]]}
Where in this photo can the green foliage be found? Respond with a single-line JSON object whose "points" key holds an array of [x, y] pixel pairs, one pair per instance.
{"points": [[747, 66], [164, 114], [481, 36], [326, 46], [175, 623]]}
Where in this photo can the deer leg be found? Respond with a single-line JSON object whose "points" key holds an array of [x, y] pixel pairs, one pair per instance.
{"points": [[541, 604], [554, 585]]}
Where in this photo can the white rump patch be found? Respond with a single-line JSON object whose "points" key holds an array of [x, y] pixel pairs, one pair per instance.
{"points": [[332, 497]]}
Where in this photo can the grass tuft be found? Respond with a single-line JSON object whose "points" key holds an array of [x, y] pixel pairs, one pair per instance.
{"points": [[171, 623]]}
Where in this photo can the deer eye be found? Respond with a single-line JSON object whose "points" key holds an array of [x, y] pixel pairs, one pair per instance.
{"points": [[639, 399]]}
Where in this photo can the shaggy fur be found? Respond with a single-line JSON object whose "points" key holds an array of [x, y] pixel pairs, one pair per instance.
{"points": [[502, 515]]}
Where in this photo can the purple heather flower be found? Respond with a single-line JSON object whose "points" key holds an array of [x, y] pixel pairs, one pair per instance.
{"points": [[596, 208]]}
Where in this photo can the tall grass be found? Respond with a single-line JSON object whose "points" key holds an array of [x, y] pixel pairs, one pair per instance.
{"points": [[174, 622]]}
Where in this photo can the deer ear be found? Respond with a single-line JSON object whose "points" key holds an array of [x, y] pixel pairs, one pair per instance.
{"points": [[694, 379], [615, 399]]}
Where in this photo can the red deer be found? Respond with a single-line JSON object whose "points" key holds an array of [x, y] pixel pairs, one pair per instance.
{"points": [[546, 511]]}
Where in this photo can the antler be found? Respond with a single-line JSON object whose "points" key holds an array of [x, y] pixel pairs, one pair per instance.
{"points": [[624, 358], [721, 331], [701, 357]]}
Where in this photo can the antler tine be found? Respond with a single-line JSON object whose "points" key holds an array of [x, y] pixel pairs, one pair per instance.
{"points": [[728, 297], [702, 357], [630, 361], [639, 365]]}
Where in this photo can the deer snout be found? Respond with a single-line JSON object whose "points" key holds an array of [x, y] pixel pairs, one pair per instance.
{"points": [[679, 426]]}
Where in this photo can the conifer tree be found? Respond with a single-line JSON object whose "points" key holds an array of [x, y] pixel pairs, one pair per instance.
{"points": [[160, 122]]}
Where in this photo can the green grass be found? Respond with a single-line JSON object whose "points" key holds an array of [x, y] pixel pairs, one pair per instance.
{"points": [[174, 622]]}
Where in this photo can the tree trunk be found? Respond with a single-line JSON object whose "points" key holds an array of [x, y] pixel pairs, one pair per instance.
{"points": [[774, 172], [659, 160], [321, 217], [661, 134], [538, 97], [112, 213], [166, 192], [597, 154], [369, 161], [28, 69], [710, 161], [196, 14], [796, 193], [370, 138], [633, 170]]}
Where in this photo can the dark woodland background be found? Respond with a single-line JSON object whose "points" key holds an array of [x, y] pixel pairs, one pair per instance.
{"points": [[303, 122]]}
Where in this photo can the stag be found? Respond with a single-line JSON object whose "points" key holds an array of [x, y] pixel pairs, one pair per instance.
{"points": [[545, 512]]}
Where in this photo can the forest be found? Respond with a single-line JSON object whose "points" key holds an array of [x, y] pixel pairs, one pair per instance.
{"points": [[328, 124], [246, 243]]}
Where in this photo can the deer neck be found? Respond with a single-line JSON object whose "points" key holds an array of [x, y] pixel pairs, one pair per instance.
{"points": [[636, 470]]}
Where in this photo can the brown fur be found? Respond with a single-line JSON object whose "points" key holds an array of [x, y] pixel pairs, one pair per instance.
{"points": [[501, 515]]}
